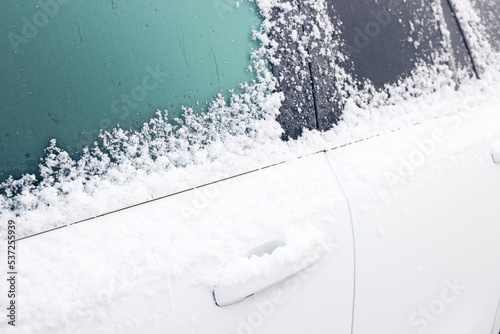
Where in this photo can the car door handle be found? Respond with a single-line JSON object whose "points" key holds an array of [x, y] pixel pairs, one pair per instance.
{"points": [[228, 295], [496, 157]]}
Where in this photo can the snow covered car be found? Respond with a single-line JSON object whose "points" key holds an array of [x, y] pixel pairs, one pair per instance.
{"points": [[347, 182]]}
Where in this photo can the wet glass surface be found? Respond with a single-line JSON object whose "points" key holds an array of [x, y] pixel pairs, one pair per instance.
{"points": [[72, 68]]}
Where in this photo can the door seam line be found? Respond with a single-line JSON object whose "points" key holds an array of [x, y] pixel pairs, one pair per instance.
{"points": [[353, 240]]}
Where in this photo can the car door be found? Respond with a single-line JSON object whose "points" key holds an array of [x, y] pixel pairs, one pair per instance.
{"points": [[423, 198], [425, 216], [162, 266]]}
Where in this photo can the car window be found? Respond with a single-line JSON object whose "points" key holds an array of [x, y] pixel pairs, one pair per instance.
{"points": [[489, 11], [370, 45], [70, 69], [386, 39]]}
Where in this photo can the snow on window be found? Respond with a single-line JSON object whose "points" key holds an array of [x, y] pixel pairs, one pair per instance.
{"points": [[313, 71]]}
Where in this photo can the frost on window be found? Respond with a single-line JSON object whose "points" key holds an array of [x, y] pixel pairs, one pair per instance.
{"points": [[479, 23], [489, 11], [385, 40], [393, 43], [72, 186], [283, 36], [369, 52]]}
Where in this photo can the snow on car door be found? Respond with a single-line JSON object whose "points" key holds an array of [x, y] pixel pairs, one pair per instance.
{"points": [[424, 203], [158, 267]]}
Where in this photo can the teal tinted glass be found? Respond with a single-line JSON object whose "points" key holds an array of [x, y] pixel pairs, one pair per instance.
{"points": [[70, 68]]}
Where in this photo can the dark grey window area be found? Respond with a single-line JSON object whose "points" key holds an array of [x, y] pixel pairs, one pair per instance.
{"points": [[292, 73], [386, 39], [382, 41], [460, 49], [489, 12]]}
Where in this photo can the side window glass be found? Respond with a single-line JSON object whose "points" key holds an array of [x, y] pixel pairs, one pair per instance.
{"points": [[384, 51], [386, 40], [71, 68], [489, 13], [460, 49], [335, 50]]}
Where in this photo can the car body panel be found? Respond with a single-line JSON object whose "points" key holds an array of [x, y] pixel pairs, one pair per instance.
{"points": [[407, 215], [425, 212], [166, 291]]}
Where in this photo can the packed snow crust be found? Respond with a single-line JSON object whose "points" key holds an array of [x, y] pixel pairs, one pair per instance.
{"points": [[130, 167]]}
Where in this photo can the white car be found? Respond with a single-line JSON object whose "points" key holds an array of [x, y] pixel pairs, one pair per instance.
{"points": [[352, 187]]}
